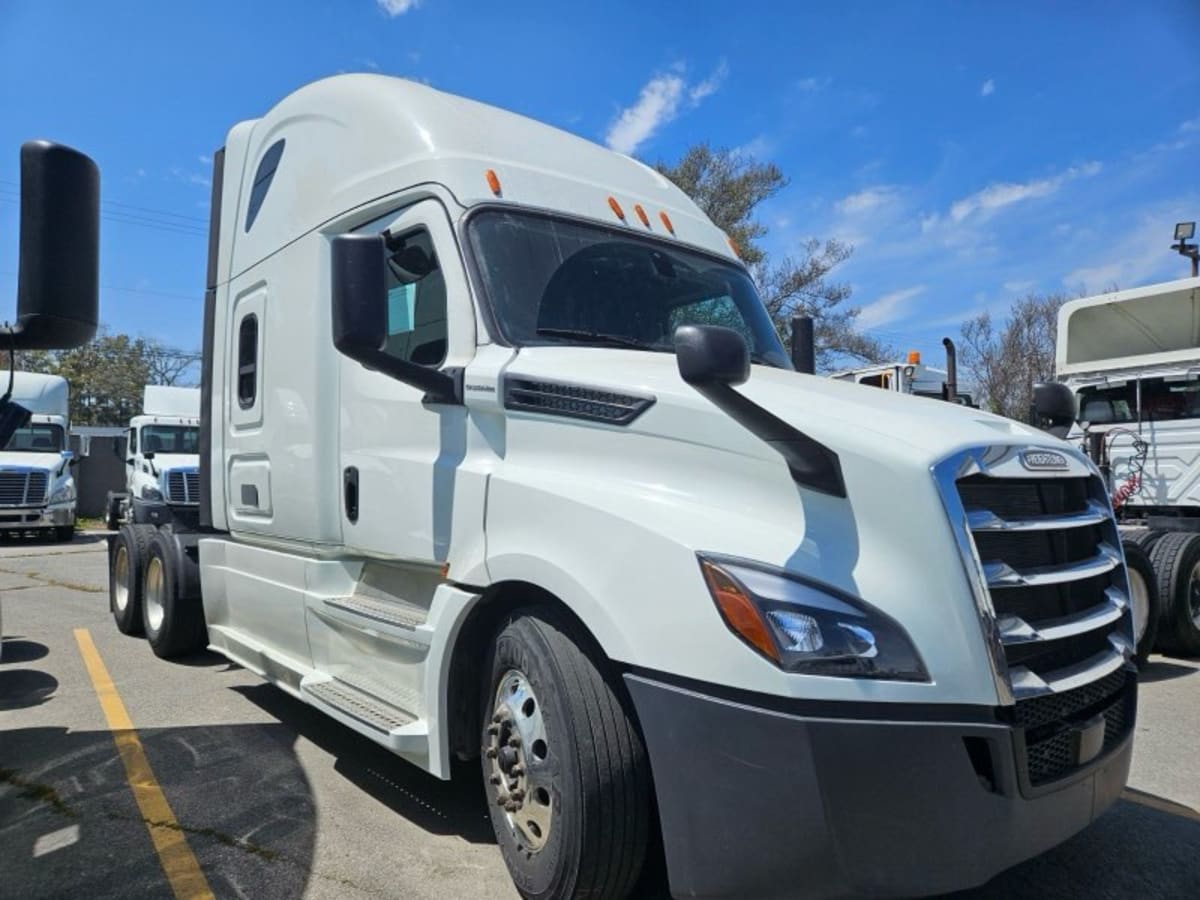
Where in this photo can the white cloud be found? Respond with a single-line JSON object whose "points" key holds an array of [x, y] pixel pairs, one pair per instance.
{"points": [[866, 200], [205, 159], [710, 84], [397, 7], [813, 85], [758, 147], [1190, 125], [988, 88], [657, 104], [888, 308], [1138, 256], [1019, 287], [1005, 193]]}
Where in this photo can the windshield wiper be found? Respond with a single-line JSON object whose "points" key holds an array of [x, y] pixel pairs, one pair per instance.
{"points": [[594, 337]]}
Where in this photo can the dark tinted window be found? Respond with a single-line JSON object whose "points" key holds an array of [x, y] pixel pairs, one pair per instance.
{"points": [[170, 439], [555, 281], [38, 438], [262, 181], [1161, 400], [247, 372]]}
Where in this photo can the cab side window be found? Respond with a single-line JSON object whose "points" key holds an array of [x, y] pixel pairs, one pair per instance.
{"points": [[132, 442], [416, 300]]}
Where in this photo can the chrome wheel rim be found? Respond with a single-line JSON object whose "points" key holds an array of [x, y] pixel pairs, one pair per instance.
{"points": [[519, 765], [121, 579], [152, 596], [1139, 600], [1194, 595]]}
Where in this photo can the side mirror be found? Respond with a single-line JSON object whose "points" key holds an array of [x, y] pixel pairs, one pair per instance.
{"points": [[149, 455], [710, 354], [1054, 407], [360, 317], [58, 283]]}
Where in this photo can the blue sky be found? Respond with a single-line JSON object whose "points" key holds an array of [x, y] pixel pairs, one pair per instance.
{"points": [[970, 151]]}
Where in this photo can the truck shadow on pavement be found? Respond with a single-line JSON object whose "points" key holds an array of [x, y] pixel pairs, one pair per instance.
{"points": [[1161, 670], [70, 827], [23, 688], [455, 807], [18, 650]]}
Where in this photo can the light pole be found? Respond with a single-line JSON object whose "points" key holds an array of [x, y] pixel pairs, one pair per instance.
{"points": [[1183, 231]]}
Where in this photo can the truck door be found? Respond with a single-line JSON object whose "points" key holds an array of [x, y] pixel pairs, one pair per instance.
{"points": [[398, 454]]}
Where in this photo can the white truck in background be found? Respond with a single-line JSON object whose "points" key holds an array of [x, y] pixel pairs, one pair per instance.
{"points": [[37, 485], [913, 377], [162, 461], [1132, 361], [502, 459]]}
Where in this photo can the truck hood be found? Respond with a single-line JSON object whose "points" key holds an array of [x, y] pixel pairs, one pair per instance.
{"points": [[164, 461], [845, 417], [46, 461]]}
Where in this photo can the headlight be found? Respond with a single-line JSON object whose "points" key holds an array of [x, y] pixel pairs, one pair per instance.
{"points": [[806, 628], [151, 493], [63, 494]]}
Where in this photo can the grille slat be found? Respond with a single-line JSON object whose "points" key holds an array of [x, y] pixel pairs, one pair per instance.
{"points": [[183, 486], [1048, 549], [24, 487]]}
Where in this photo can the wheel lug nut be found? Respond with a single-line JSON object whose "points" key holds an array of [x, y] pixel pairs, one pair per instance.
{"points": [[493, 729], [517, 771], [514, 741], [518, 795], [497, 718], [503, 800], [490, 752], [495, 779]]}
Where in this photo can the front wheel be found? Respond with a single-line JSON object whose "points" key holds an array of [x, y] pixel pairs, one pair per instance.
{"points": [[1143, 599], [564, 764]]}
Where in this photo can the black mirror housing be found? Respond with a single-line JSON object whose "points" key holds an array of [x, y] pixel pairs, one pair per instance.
{"points": [[360, 317], [1053, 404], [710, 354], [58, 297]]}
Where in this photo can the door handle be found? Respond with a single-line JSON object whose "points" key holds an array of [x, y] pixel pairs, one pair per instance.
{"points": [[350, 492]]}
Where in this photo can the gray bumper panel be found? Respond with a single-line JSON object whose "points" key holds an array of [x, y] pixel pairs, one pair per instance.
{"points": [[756, 803]]}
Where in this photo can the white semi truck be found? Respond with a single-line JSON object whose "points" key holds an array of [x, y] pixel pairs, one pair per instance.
{"points": [[913, 377], [37, 484], [162, 461], [501, 458], [1132, 360]]}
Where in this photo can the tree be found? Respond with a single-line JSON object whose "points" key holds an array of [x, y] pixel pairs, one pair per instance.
{"points": [[108, 373], [728, 186], [1004, 362]]}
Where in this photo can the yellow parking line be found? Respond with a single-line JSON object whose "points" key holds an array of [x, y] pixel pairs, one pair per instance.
{"points": [[178, 862]]}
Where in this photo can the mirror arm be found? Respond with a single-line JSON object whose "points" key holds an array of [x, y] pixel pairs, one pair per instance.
{"points": [[812, 463], [440, 386]]}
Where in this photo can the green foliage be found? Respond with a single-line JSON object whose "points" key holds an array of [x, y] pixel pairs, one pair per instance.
{"points": [[729, 186], [108, 373]]}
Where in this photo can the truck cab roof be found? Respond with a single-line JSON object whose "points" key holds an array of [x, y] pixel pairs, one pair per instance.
{"points": [[342, 142]]}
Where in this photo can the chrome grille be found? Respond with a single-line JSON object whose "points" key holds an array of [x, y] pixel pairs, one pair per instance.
{"points": [[1044, 554], [183, 486], [23, 487]]}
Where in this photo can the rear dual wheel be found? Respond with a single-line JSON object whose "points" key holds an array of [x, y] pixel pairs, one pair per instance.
{"points": [[172, 612], [127, 551], [564, 765], [1176, 559]]}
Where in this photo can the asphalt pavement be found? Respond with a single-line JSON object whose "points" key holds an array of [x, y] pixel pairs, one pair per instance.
{"points": [[277, 801]]}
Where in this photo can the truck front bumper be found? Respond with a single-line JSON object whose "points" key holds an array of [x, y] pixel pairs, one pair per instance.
{"points": [[760, 802], [61, 514]]}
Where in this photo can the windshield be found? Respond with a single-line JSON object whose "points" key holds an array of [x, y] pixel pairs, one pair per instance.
{"points": [[170, 439], [557, 282], [38, 438], [1159, 399]]}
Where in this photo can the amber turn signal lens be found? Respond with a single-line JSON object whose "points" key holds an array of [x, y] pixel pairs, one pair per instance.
{"points": [[666, 220], [493, 181], [616, 208], [734, 247], [739, 612], [641, 214]]}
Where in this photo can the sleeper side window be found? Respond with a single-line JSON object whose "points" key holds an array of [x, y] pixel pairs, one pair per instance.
{"points": [[247, 359], [263, 176], [416, 329]]}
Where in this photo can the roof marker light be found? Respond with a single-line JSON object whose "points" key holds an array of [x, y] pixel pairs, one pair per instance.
{"points": [[666, 220], [616, 208], [493, 181], [914, 357], [641, 214], [734, 247]]}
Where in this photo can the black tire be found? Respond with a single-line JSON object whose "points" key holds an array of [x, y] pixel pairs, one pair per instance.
{"points": [[1145, 538], [125, 576], [112, 511], [172, 621], [1175, 558], [1143, 588], [64, 533], [592, 766]]}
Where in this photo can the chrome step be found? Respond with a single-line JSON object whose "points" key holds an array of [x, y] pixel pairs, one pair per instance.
{"points": [[1001, 575], [357, 704], [1015, 630], [985, 520]]}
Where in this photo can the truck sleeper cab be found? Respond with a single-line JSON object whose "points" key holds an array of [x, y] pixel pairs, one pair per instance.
{"points": [[37, 484], [502, 458]]}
